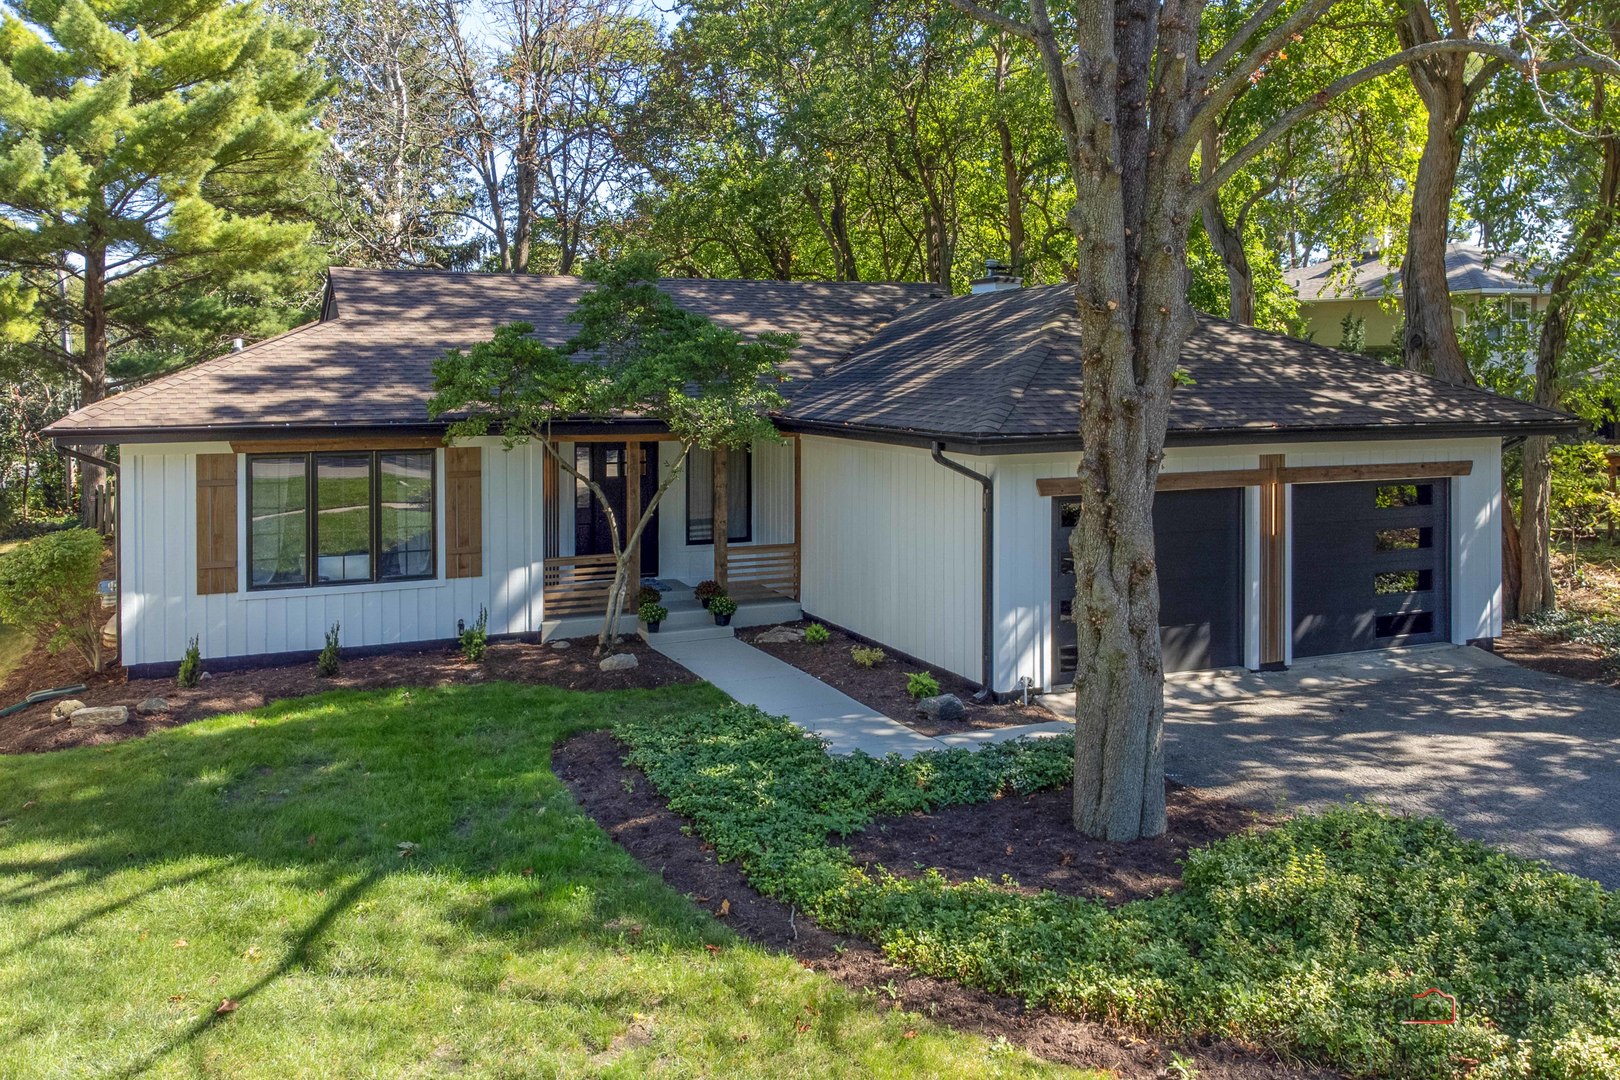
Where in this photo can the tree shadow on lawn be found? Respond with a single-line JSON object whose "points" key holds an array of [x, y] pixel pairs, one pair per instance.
{"points": [[277, 826]]}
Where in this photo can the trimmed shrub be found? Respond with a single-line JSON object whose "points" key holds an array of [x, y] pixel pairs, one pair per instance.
{"points": [[191, 668], [326, 664], [867, 656], [723, 605], [920, 684], [816, 634], [48, 591], [652, 613], [475, 638]]}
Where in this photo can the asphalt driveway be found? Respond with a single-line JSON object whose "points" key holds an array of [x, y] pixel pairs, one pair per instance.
{"points": [[1516, 758]]}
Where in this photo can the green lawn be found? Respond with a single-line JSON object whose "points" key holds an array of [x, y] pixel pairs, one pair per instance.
{"points": [[257, 859]]}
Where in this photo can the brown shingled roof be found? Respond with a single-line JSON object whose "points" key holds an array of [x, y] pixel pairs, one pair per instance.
{"points": [[369, 363], [1005, 366], [873, 357]]}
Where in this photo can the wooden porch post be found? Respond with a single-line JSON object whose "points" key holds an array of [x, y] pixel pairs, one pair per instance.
{"points": [[1273, 563], [634, 456], [722, 522]]}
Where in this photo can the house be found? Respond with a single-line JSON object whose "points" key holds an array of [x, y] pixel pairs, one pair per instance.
{"points": [[1369, 289], [1311, 502]]}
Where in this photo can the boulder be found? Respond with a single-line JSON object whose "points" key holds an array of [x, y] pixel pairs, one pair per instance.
{"points": [[941, 707], [780, 635], [66, 708], [105, 716], [152, 706], [619, 662]]}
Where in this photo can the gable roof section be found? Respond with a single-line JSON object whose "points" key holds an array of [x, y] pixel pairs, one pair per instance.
{"points": [[1469, 269], [369, 363], [1004, 366]]}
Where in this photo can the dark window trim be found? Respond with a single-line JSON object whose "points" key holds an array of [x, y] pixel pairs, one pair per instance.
{"points": [[748, 534], [311, 516]]}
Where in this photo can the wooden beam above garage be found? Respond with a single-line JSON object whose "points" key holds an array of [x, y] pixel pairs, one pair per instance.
{"points": [[1071, 486]]}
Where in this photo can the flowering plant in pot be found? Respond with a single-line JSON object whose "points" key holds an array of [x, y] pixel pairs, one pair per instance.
{"points": [[652, 615], [706, 591], [722, 607]]}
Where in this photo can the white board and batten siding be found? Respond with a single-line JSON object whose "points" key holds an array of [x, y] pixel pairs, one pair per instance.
{"points": [[161, 610], [1024, 528], [891, 549], [770, 502]]}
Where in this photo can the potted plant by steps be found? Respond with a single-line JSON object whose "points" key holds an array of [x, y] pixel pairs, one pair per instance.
{"points": [[652, 615], [722, 608], [706, 591]]}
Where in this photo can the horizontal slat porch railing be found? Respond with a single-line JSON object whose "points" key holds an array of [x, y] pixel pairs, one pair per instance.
{"points": [[577, 584], [763, 572]]}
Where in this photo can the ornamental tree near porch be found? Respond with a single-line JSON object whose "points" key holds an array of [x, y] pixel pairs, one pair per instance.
{"points": [[1134, 91], [635, 355]]}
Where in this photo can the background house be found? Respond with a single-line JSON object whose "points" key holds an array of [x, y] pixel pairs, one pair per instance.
{"points": [[1369, 289]]}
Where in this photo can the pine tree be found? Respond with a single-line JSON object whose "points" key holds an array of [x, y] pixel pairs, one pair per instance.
{"points": [[153, 158]]}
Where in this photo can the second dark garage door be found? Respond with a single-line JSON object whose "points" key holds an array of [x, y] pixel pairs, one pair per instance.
{"points": [[1370, 566], [1198, 537]]}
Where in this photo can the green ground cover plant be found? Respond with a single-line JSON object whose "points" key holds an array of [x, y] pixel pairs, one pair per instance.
{"points": [[391, 883], [1311, 937]]}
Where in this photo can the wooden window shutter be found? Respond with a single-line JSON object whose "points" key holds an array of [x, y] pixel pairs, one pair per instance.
{"points": [[464, 512], [216, 524]]}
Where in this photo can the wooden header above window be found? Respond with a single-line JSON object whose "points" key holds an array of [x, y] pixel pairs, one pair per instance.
{"points": [[336, 442], [1070, 486]]}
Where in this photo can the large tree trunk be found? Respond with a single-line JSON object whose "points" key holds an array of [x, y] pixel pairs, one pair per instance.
{"points": [[92, 366], [1132, 316], [1537, 587], [1430, 334], [1228, 244]]}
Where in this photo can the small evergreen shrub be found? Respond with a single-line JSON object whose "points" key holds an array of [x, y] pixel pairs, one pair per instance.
{"points": [[920, 684], [723, 605], [867, 656], [326, 664], [190, 673], [652, 613], [816, 634], [48, 591], [475, 638]]}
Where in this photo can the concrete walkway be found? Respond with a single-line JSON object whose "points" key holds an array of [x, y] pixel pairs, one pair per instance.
{"points": [[755, 677]]}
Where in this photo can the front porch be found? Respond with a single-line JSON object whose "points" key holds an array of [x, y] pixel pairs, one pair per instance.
{"points": [[735, 519]]}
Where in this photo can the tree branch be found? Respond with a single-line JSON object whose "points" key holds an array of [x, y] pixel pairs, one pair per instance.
{"points": [[1322, 98], [996, 19]]}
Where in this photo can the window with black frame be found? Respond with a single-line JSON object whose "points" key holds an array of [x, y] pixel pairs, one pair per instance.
{"points": [[340, 518], [700, 496]]}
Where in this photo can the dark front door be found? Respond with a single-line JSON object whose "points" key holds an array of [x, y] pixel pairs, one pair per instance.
{"points": [[1198, 540], [606, 463], [1370, 565]]}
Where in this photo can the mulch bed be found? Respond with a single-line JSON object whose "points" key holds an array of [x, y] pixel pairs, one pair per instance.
{"points": [[624, 803], [1554, 655], [32, 730], [884, 687], [1031, 838]]}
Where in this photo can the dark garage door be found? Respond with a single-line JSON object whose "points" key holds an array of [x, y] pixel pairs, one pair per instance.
{"points": [[1370, 566], [1199, 540]]}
